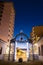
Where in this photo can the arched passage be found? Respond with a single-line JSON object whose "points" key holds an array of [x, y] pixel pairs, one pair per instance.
{"points": [[21, 46]]}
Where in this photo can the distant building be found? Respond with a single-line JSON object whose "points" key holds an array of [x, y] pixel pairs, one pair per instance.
{"points": [[7, 17]]}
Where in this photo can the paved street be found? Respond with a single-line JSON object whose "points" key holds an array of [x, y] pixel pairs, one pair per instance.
{"points": [[23, 63]]}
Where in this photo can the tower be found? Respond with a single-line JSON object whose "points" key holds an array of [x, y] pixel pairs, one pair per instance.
{"points": [[7, 17]]}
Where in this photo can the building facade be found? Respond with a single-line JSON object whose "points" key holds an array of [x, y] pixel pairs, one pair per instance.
{"points": [[7, 18], [37, 32], [2, 49], [40, 48], [37, 40]]}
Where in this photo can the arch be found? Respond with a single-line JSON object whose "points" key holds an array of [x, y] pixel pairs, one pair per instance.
{"points": [[14, 40], [21, 34]]}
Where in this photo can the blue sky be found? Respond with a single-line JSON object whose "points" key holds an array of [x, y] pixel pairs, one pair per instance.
{"points": [[29, 13]]}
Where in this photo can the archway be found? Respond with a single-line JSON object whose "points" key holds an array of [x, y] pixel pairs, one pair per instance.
{"points": [[21, 46]]}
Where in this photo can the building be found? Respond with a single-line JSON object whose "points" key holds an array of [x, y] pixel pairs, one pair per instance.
{"points": [[21, 46], [37, 40], [7, 14], [37, 32], [2, 49], [7, 17], [40, 48]]}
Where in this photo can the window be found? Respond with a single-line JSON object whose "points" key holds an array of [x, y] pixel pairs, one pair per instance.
{"points": [[1, 11], [8, 40], [0, 21], [9, 30], [0, 15], [1, 6], [8, 34], [1, 50], [9, 26], [42, 50], [39, 50]]}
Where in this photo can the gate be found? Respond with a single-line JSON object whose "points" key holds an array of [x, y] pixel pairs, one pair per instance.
{"points": [[21, 47]]}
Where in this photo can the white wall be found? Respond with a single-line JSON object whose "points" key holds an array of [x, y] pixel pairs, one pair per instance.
{"points": [[40, 42]]}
